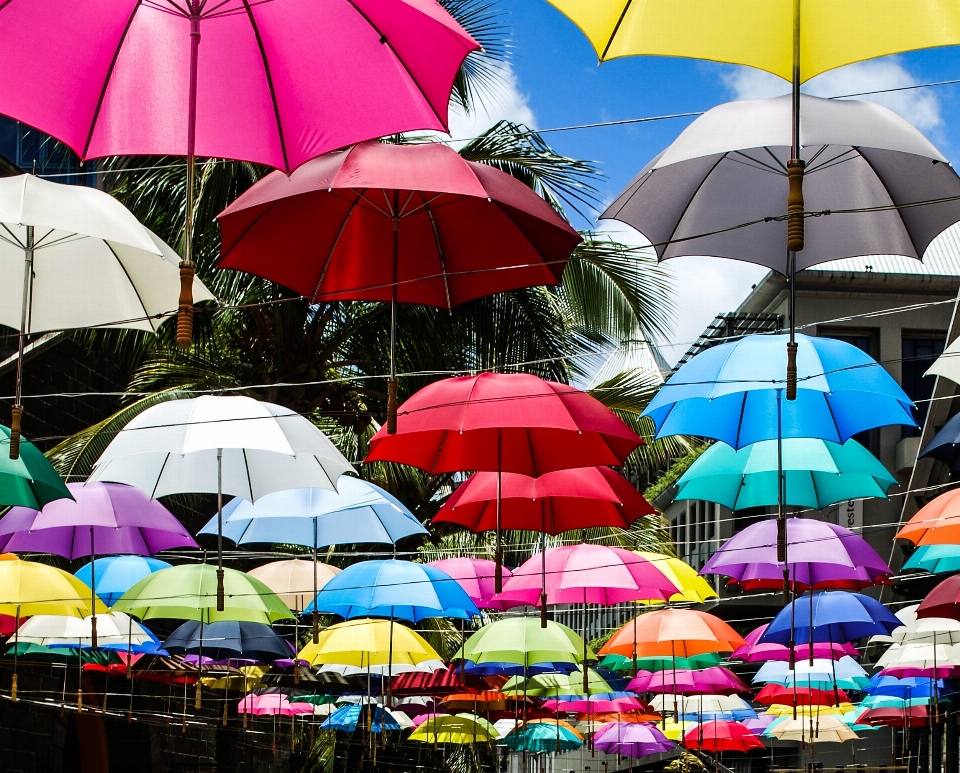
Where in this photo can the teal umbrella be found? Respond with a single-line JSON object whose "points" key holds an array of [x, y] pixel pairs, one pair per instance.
{"points": [[622, 663], [542, 736], [936, 559], [818, 474]]}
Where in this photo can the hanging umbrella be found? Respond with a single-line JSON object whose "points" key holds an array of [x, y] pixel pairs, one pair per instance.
{"points": [[703, 707], [629, 739], [936, 523], [674, 729], [456, 729], [753, 651], [28, 588], [366, 643], [438, 683], [939, 661], [674, 633], [844, 673], [945, 447], [384, 67], [499, 422], [521, 642], [115, 630], [946, 364], [540, 737], [936, 559], [821, 555], [620, 663], [394, 589], [558, 686], [189, 592], [836, 616], [348, 718], [486, 701], [228, 639], [385, 670], [28, 479], [798, 696], [826, 729], [74, 257], [942, 601], [388, 222], [709, 681], [220, 445], [693, 587], [117, 574], [761, 723], [476, 577], [721, 736], [895, 716], [595, 704], [272, 705], [291, 579], [816, 474]]}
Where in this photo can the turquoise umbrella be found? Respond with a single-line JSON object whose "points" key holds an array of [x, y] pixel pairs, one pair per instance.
{"points": [[540, 737], [936, 559], [818, 474]]}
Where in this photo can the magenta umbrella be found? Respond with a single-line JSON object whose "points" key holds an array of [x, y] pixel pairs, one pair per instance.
{"points": [[476, 576], [707, 681], [275, 83], [595, 705], [271, 703], [754, 652]]}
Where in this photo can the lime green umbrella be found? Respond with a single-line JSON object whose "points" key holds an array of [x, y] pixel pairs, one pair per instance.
{"points": [[622, 663], [189, 592], [817, 474], [522, 642], [30, 480], [555, 685]]}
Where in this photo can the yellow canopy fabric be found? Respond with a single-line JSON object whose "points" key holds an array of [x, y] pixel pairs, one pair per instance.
{"points": [[458, 728], [676, 730], [781, 710], [364, 643], [693, 587], [40, 589], [759, 33], [249, 679]]}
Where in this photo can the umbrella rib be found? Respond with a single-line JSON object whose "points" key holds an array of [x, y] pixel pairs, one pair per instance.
{"points": [[15, 241], [113, 252], [616, 29], [436, 238], [686, 207], [106, 80], [269, 76]]}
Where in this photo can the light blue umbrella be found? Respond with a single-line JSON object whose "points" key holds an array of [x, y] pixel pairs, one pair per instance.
{"points": [[347, 718], [845, 674], [394, 589], [117, 574], [936, 559]]}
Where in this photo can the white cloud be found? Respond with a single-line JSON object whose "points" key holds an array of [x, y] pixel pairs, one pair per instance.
{"points": [[919, 106], [508, 102]]}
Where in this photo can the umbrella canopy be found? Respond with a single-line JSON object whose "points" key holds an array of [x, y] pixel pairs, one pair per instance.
{"points": [[520, 641], [857, 155], [732, 393], [945, 445], [701, 706], [292, 579], [408, 223], [942, 601], [395, 589], [936, 559], [357, 511], [820, 555], [693, 587], [29, 480], [721, 736], [348, 718], [826, 729], [115, 630], [907, 687], [817, 474], [673, 632], [921, 659], [228, 639], [559, 685], [99, 518], [438, 683], [836, 616], [539, 426], [620, 663], [946, 364], [542, 736], [486, 700], [275, 704], [587, 574], [709, 681], [845, 673], [629, 739], [117, 574], [753, 651], [553, 503], [476, 577], [455, 729], [28, 588], [595, 704], [798, 696], [895, 716], [366, 643], [269, 84], [173, 447], [936, 523], [189, 592]]}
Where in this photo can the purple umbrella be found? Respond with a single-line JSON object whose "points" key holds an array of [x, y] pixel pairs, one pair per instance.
{"points": [[760, 723], [106, 518], [754, 652], [631, 739], [822, 556], [707, 681]]}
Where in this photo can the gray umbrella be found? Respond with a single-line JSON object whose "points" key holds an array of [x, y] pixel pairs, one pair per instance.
{"points": [[728, 168]]}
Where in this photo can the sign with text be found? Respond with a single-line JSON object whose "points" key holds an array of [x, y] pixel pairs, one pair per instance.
{"points": [[850, 514]]}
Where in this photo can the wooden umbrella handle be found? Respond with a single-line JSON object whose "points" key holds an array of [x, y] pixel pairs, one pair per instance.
{"points": [[15, 413], [185, 307]]}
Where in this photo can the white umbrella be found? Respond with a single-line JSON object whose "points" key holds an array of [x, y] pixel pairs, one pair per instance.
{"points": [[948, 363], [920, 655], [114, 628], [706, 704], [223, 445], [425, 666], [827, 729], [74, 257]]}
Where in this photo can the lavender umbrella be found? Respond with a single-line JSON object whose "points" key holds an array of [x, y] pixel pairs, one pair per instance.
{"points": [[631, 739]]}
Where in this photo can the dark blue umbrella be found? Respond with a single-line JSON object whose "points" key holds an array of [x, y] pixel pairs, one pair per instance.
{"points": [[347, 718], [516, 669], [838, 616], [945, 445], [227, 640], [396, 589], [907, 688]]}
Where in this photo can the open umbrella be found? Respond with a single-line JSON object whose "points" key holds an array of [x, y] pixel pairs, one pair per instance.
{"points": [[272, 704], [367, 643], [503, 422], [721, 736], [272, 85], [228, 639], [28, 480], [622, 663], [398, 223], [115, 629], [844, 673], [292, 579], [708, 681], [220, 445], [936, 559], [520, 643], [454, 728], [476, 577], [816, 474], [347, 718], [942, 601], [542, 736], [826, 729], [936, 523], [115, 575], [693, 587], [704, 707], [945, 445], [628, 739], [673, 633], [798, 696], [830, 616], [557, 686], [753, 651]]}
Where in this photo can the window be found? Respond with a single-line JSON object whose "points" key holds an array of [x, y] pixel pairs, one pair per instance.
{"points": [[919, 350]]}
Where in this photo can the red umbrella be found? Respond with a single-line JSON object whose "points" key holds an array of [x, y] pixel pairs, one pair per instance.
{"points": [[799, 696], [556, 502], [721, 736], [500, 422], [893, 716], [398, 223], [943, 600], [441, 682]]}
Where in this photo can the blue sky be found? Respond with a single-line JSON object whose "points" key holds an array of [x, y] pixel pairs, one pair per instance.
{"points": [[556, 82]]}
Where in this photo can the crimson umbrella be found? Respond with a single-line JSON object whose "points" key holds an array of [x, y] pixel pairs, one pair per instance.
{"points": [[503, 422], [398, 223], [721, 736], [943, 600]]}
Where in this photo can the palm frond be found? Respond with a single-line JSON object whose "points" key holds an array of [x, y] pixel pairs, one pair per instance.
{"points": [[481, 75]]}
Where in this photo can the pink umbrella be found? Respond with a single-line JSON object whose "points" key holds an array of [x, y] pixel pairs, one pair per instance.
{"points": [[707, 681], [476, 577], [271, 703], [599, 705], [752, 652], [275, 83], [417, 721]]}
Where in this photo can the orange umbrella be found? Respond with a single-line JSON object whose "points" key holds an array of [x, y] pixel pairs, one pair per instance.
{"points": [[679, 633], [936, 523], [488, 700]]}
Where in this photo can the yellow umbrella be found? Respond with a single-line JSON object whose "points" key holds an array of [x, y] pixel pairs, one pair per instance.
{"points": [[782, 710], [676, 730], [365, 643], [456, 728], [292, 580], [693, 587], [248, 678]]}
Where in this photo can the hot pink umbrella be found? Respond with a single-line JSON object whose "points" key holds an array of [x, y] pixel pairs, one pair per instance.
{"points": [[752, 652], [707, 681], [476, 577], [271, 703], [597, 705], [417, 721], [275, 83]]}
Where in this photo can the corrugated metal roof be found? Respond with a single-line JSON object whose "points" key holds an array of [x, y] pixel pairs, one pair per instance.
{"points": [[942, 258], [630, 355]]}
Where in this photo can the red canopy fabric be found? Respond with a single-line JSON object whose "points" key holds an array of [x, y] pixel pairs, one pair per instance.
{"points": [[442, 682], [463, 229], [943, 600], [721, 736], [800, 696]]}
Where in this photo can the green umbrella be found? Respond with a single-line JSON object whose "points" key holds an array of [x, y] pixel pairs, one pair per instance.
{"points": [[30, 480], [32, 651], [189, 592], [936, 559], [817, 474], [521, 641], [555, 685], [622, 663]]}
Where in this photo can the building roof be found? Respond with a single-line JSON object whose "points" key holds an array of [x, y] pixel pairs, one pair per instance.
{"points": [[942, 258]]}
